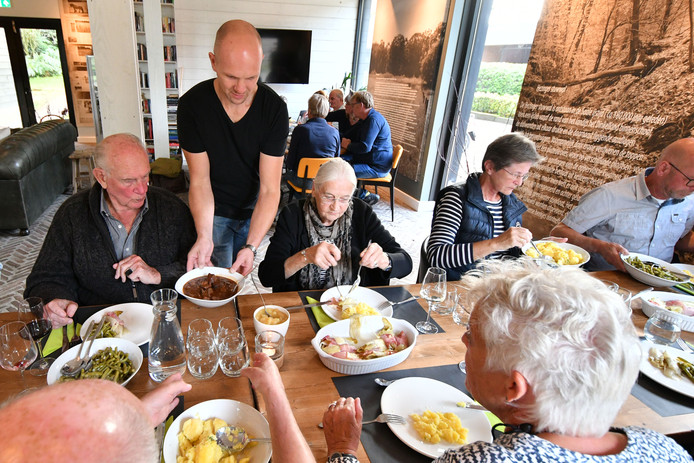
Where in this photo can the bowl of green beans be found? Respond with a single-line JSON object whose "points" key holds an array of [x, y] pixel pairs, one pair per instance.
{"points": [[114, 359], [650, 271]]}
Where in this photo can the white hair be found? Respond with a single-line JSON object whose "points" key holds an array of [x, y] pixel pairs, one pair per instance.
{"points": [[335, 169], [566, 333]]}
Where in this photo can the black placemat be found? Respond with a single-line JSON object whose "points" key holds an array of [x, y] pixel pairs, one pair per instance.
{"points": [[410, 311], [662, 400], [379, 442]]}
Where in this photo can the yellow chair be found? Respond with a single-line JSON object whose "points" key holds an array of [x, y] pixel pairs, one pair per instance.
{"points": [[309, 167], [388, 180]]}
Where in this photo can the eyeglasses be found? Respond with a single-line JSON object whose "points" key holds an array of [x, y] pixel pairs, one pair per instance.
{"points": [[690, 181], [517, 176], [331, 199]]}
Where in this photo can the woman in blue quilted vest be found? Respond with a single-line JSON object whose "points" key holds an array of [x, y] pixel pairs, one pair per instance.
{"points": [[482, 218]]}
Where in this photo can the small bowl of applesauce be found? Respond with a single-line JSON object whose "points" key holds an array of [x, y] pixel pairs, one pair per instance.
{"points": [[271, 317]]}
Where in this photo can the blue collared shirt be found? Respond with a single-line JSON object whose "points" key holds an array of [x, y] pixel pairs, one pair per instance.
{"points": [[123, 242], [625, 212]]}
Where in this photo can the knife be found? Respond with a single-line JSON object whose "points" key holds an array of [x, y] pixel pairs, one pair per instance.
{"points": [[305, 306]]}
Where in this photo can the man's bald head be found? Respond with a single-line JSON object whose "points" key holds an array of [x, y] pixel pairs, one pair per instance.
{"points": [[94, 420], [673, 171], [239, 33]]}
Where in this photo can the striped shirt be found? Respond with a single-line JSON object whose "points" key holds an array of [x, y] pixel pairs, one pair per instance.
{"points": [[442, 250]]}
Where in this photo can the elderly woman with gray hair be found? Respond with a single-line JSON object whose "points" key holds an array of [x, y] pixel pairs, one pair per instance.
{"points": [[481, 218], [320, 242], [553, 354]]}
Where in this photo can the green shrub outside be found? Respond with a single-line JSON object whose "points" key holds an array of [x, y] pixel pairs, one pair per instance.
{"points": [[501, 78], [500, 105]]}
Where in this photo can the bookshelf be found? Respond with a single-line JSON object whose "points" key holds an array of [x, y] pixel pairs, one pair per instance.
{"points": [[155, 34]]}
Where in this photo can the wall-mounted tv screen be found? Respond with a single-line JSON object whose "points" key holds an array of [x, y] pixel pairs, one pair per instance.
{"points": [[287, 56]]}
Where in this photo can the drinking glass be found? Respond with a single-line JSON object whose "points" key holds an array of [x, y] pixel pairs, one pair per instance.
{"points": [[32, 313], [433, 290], [201, 344], [661, 329], [461, 316], [272, 343], [447, 306], [17, 348], [232, 346]]}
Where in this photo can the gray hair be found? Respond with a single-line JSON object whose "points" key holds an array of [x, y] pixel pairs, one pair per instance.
{"points": [[104, 147], [318, 105], [335, 169], [566, 333], [362, 97], [512, 148], [340, 94]]}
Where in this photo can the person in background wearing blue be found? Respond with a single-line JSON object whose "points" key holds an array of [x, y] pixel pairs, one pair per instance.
{"points": [[370, 150], [314, 139]]}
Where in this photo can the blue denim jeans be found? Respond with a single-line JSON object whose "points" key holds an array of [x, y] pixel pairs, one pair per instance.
{"points": [[364, 170], [228, 236]]}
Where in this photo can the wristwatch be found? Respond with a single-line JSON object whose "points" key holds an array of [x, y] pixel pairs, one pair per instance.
{"points": [[390, 264], [342, 457], [253, 249]]}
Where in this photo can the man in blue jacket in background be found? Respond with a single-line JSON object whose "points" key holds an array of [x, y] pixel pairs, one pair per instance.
{"points": [[370, 151]]}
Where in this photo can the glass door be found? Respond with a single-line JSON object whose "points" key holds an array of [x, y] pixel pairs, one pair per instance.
{"points": [[9, 106], [35, 52]]}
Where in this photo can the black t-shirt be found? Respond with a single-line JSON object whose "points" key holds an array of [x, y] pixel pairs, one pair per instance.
{"points": [[233, 147]]}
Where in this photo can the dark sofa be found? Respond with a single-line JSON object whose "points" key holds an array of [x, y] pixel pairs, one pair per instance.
{"points": [[34, 170]]}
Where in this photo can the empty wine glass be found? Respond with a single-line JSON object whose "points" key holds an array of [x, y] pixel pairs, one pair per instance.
{"points": [[433, 290], [461, 316], [17, 348], [32, 313]]}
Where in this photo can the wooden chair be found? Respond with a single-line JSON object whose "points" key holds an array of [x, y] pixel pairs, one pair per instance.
{"points": [[388, 180], [309, 167]]}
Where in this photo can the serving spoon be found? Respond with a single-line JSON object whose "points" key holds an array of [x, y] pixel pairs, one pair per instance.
{"points": [[234, 439], [73, 367]]}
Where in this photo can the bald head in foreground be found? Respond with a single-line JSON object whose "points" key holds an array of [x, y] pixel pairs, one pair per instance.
{"points": [[87, 420], [651, 213]]}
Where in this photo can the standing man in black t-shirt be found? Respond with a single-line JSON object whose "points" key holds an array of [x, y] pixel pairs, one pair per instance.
{"points": [[233, 132]]}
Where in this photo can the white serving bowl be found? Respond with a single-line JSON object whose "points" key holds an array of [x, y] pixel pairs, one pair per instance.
{"points": [[360, 367], [123, 345], [647, 278], [585, 255], [685, 322], [260, 327], [231, 411], [201, 272]]}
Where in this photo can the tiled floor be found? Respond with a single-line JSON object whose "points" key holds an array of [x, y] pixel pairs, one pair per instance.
{"points": [[18, 253]]}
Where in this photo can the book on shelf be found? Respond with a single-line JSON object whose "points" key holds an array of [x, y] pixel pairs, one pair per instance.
{"points": [[168, 25], [141, 51], [169, 52], [139, 22], [146, 105], [144, 79], [171, 79]]}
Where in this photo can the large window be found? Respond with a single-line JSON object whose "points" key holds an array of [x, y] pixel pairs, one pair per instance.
{"points": [[33, 72]]}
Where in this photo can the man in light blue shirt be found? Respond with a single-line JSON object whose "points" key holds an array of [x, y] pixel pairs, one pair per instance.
{"points": [[651, 213]]}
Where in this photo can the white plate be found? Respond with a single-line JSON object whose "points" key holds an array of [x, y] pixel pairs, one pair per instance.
{"points": [[231, 411], [685, 322], [416, 395], [360, 294], [136, 316], [123, 345], [585, 255], [683, 385], [647, 278]]}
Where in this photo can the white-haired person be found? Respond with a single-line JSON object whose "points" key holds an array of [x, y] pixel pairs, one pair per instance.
{"points": [[319, 242], [553, 354]]}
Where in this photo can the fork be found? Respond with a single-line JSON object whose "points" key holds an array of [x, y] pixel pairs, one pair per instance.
{"points": [[358, 280], [382, 418], [386, 418], [384, 305], [75, 336]]}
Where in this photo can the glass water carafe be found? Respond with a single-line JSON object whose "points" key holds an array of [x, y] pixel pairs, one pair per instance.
{"points": [[167, 352]]}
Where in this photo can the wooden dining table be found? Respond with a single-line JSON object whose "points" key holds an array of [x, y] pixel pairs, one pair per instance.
{"points": [[309, 384]]}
